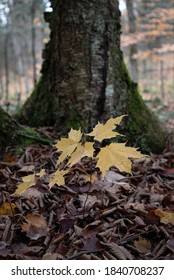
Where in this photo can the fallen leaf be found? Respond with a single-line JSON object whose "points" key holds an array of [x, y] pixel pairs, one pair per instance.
{"points": [[87, 202], [41, 173], [170, 244], [28, 168], [22, 249], [32, 192], [90, 178], [50, 256], [35, 226], [7, 208], [28, 181], [58, 178], [116, 250], [112, 176], [89, 243], [165, 216], [143, 245]]}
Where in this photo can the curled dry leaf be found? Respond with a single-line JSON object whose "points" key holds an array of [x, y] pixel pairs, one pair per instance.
{"points": [[87, 202], [35, 226], [113, 177], [116, 250], [32, 192]]}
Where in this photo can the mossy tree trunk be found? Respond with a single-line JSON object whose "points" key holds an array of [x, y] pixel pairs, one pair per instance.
{"points": [[84, 79], [8, 128]]}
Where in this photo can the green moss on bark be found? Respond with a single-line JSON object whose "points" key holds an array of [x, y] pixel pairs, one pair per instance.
{"points": [[37, 110], [141, 127], [8, 128]]}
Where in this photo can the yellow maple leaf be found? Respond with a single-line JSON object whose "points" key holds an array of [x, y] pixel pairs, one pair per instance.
{"points": [[28, 181], [85, 150], [166, 217], [117, 154], [41, 173], [90, 178], [58, 178], [104, 131], [68, 145]]}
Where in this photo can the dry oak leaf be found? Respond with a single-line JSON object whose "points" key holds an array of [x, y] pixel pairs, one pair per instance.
{"points": [[117, 154], [68, 145], [104, 131], [166, 217], [35, 226], [28, 181]]}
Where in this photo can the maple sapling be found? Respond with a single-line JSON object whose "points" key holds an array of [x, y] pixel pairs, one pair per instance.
{"points": [[114, 154]]}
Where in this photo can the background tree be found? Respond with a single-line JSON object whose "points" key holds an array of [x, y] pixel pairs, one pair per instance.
{"points": [[154, 40], [84, 78], [22, 31], [133, 47]]}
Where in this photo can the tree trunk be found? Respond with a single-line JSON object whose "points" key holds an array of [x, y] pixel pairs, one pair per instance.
{"points": [[8, 128], [133, 47], [33, 41], [84, 78]]}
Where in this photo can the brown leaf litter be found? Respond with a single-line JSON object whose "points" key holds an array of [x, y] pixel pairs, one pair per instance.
{"points": [[90, 217]]}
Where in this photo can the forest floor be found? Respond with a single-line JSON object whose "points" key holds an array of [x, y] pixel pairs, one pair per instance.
{"points": [[118, 216]]}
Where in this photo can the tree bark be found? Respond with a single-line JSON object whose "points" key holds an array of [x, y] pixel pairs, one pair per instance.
{"points": [[133, 47], [8, 127], [84, 78], [33, 41]]}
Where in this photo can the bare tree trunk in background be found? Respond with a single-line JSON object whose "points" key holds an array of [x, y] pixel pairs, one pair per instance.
{"points": [[26, 67], [133, 48], [1, 87], [19, 65], [6, 67], [26, 76], [162, 80], [33, 41]]}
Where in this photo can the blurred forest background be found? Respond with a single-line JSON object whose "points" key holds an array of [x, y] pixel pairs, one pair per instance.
{"points": [[147, 41]]}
